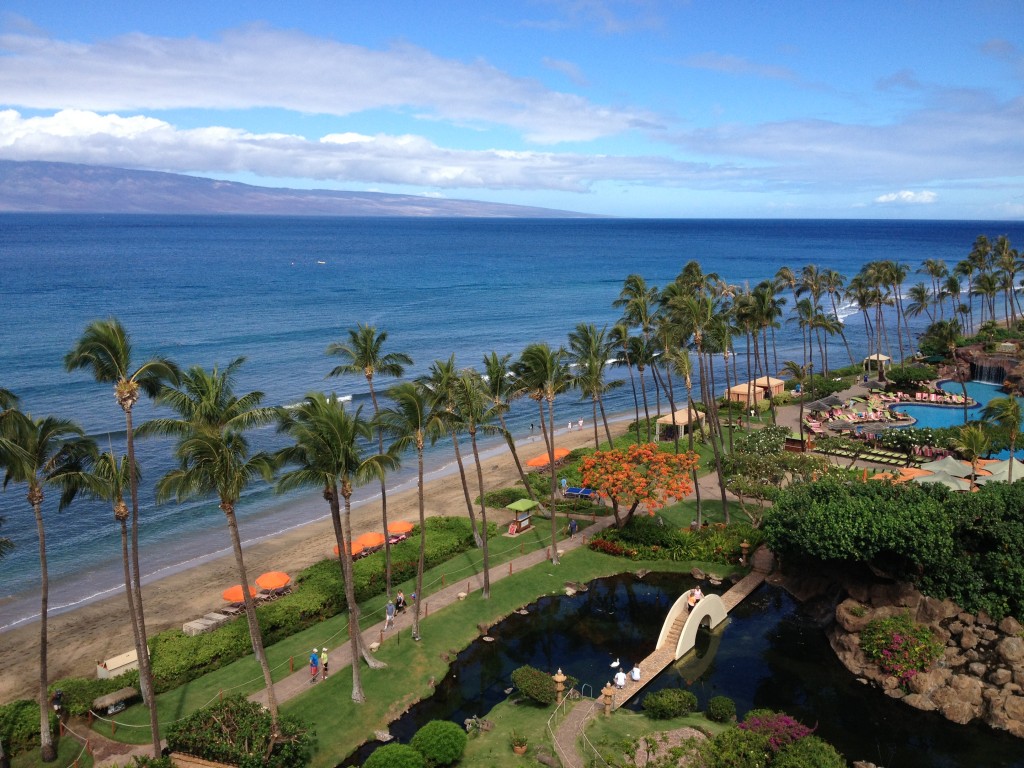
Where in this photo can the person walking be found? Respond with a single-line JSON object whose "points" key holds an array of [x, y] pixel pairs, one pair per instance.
{"points": [[400, 602], [573, 527], [389, 616], [314, 666], [323, 663]]}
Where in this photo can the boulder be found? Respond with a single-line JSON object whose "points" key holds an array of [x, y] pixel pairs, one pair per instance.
{"points": [[1011, 649], [1000, 676], [968, 689], [1010, 626], [1013, 706], [968, 639], [984, 619], [931, 611], [852, 615], [918, 701], [926, 682], [977, 669], [906, 595]]}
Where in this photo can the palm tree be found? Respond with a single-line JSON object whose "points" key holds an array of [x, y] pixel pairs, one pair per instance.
{"points": [[937, 270], [365, 354], [410, 421], [440, 381], [214, 458], [474, 404], [620, 340], [498, 378], [545, 374], [833, 282], [590, 349], [798, 375], [680, 360], [972, 443], [639, 304], [920, 296], [46, 452], [328, 453], [1006, 412], [105, 349]]}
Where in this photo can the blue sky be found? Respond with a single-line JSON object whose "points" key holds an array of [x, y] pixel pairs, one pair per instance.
{"points": [[646, 108]]}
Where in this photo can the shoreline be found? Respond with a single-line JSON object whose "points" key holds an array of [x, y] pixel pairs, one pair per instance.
{"points": [[101, 628]]}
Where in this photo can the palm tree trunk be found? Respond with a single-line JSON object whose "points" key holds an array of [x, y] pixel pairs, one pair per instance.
{"points": [[138, 613], [423, 543], [689, 430], [47, 752], [593, 416], [647, 413], [554, 486], [353, 611], [515, 456], [483, 514], [465, 490], [383, 496], [544, 427], [604, 420], [345, 561], [126, 564], [636, 400], [713, 412], [250, 615]]}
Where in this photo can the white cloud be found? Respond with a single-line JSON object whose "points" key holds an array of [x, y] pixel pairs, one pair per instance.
{"points": [[257, 66], [923, 197], [147, 143]]}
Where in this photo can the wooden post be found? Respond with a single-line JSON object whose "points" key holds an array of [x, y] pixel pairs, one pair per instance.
{"points": [[113, 727], [509, 567], [521, 548], [467, 588], [426, 610], [220, 694], [291, 663], [90, 717], [442, 579], [382, 637]]}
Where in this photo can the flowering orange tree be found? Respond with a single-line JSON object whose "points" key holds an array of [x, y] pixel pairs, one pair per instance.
{"points": [[640, 474]]}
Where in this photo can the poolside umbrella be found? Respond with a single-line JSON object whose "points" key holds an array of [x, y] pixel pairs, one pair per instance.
{"points": [[949, 465], [234, 594], [826, 403], [946, 479], [543, 460], [272, 580], [369, 540], [1002, 467], [400, 526]]}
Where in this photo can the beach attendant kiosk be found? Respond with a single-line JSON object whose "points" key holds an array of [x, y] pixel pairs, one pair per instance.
{"points": [[522, 509], [117, 665]]}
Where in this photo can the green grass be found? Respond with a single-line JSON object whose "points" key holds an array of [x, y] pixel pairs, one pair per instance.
{"points": [[493, 748], [610, 735], [68, 750]]}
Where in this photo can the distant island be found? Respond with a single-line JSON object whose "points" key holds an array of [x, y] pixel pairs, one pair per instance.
{"points": [[44, 187]]}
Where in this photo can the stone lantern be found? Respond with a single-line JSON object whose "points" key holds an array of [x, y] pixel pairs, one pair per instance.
{"points": [[608, 692], [559, 679]]}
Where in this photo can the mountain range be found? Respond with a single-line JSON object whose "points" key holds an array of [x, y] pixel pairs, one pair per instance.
{"points": [[45, 187]]}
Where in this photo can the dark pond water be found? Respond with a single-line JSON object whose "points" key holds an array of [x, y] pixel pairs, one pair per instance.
{"points": [[769, 655]]}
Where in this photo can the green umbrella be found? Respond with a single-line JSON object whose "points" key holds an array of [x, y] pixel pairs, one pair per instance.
{"points": [[522, 505]]}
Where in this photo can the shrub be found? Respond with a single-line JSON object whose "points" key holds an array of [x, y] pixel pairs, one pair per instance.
{"points": [[238, 731], [648, 532], [395, 756], [142, 761], [502, 497], [809, 752], [781, 729], [900, 647], [79, 692], [19, 725], [670, 702], [534, 684], [441, 742], [721, 709], [735, 748]]}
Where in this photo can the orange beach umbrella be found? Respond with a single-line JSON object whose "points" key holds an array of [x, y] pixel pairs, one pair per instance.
{"points": [[272, 580], [234, 594], [370, 540], [543, 460], [355, 548], [400, 526]]}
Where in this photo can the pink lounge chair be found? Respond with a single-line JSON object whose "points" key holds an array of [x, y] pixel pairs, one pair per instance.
{"points": [[918, 395]]}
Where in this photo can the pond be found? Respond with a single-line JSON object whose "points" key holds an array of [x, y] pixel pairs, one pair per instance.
{"points": [[769, 655]]}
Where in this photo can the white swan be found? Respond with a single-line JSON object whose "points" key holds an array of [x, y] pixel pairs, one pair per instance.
{"points": [[615, 664]]}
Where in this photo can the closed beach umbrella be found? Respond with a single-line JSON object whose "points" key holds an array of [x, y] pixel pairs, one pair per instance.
{"points": [[234, 594], [400, 526], [370, 540], [272, 580]]}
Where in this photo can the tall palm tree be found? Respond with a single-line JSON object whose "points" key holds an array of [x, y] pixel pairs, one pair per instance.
{"points": [[365, 354], [798, 375], [679, 359], [972, 442], [441, 382], [105, 349], [328, 452], [411, 420], [590, 349], [833, 282], [474, 404], [46, 452], [639, 303], [214, 459], [545, 374], [498, 378], [920, 296], [937, 271], [1006, 412], [620, 339]]}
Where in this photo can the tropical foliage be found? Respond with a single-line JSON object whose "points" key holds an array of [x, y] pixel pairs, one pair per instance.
{"points": [[900, 647]]}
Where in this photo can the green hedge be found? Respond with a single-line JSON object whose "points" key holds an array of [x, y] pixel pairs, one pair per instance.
{"points": [[19, 726], [645, 538], [668, 703], [319, 594], [79, 692]]}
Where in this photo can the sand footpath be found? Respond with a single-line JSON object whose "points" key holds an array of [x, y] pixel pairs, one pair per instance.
{"points": [[96, 631]]}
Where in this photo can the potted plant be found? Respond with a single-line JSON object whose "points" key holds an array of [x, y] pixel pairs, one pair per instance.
{"points": [[518, 742]]}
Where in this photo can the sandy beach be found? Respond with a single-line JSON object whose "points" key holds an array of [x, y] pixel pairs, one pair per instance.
{"points": [[99, 630]]}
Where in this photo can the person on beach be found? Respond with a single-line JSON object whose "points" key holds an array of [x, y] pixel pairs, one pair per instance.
{"points": [[314, 666], [565, 484], [570, 426], [389, 616], [400, 602], [620, 679], [580, 423], [573, 527], [323, 663]]}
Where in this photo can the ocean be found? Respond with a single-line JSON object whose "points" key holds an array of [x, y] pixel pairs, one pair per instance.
{"points": [[204, 290]]}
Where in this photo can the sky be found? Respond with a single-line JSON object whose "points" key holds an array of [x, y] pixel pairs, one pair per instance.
{"points": [[634, 108]]}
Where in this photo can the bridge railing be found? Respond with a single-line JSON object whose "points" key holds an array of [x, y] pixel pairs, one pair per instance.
{"points": [[679, 607]]}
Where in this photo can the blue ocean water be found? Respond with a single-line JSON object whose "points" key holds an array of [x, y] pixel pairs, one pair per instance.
{"points": [[204, 290]]}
